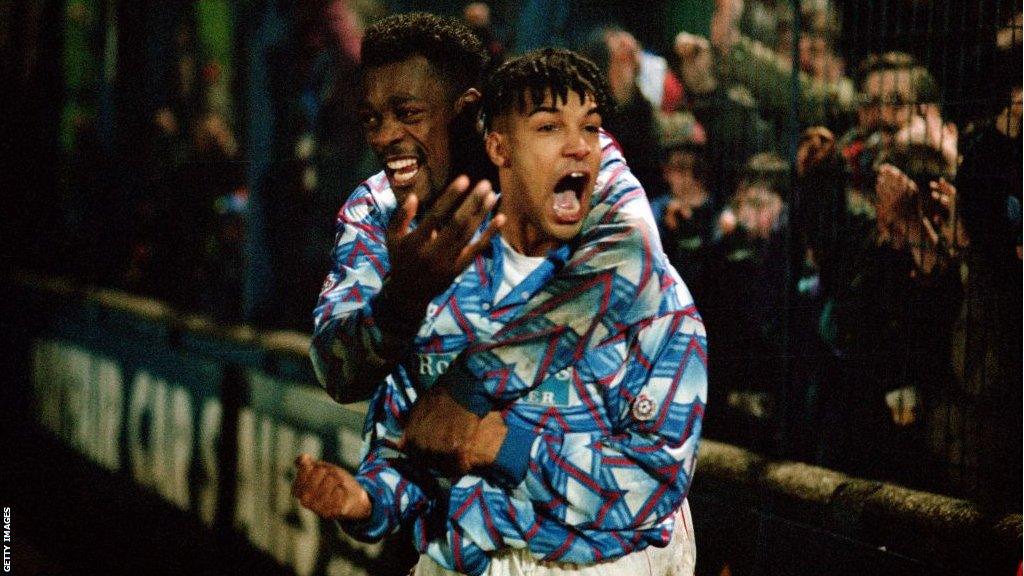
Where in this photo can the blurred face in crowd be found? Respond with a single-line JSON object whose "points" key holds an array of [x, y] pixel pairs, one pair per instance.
{"points": [[814, 55], [1009, 35], [679, 174], [548, 157], [623, 64], [1016, 109], [758, 208], [887, 101], [407, 110], [815, 48], [1009, 120], [477, 14]]}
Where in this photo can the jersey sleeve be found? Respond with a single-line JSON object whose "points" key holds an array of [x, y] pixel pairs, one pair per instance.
{"points": [[347, 345], [400, 493]]}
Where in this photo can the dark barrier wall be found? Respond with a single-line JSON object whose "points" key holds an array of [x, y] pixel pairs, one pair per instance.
{"points": [[209, 419], [763, 517]]}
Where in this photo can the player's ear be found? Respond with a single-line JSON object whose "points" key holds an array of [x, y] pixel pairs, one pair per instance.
{"points": [[496, 144], [470, 97]]}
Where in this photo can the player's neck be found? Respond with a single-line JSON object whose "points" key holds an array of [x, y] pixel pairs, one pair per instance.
{"points": [[525, 237]]}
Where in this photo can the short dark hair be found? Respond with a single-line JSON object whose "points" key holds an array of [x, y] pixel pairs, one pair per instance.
{"points": [[595, 45], [449, 45], [697, 156], [536, 73], [768, 170], [925, 87], [884, 62]]}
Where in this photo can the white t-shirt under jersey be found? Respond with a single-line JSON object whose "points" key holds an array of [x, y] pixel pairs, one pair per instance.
{"points": [[514, 269]]}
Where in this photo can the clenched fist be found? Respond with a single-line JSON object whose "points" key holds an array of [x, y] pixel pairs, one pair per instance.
{"points": [[329, 491]]}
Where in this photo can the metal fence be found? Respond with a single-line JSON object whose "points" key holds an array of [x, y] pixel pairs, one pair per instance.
{"points": [[855, 321], [127, 412], [898, 349], [861, 286]]}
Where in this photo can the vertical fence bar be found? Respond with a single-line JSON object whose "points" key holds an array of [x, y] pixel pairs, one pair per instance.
{"points": [[784, 416], [233, 397]]}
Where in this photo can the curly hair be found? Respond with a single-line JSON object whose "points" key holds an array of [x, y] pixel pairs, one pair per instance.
{"points": [[536, 73], [451, 48]]}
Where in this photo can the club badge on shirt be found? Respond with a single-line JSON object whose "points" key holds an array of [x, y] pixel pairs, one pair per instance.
{"points": [[644, 408]]}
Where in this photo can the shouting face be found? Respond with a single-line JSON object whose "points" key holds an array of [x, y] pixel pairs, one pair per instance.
{"points": [[407, 110], [548, 157]]}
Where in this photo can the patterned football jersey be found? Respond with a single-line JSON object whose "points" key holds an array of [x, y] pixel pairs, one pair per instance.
{"points": [[597, 360]]}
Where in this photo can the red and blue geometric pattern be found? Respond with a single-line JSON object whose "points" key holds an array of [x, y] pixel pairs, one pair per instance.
{"points": [[599, 354]]}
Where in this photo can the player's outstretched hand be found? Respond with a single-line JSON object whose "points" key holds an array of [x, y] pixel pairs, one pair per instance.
{"points": [[425, 261], [329, 491]]}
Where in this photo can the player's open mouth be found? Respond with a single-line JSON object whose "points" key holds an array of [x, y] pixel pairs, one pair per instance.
{"points": [[568, 198], [402, 171]]}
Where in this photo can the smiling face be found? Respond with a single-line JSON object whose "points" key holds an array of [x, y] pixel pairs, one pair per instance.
{"points": [[407, 110], [548, 156]]}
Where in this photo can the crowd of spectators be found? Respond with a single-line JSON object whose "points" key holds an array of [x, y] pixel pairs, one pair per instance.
{"points": [[844, 206]]}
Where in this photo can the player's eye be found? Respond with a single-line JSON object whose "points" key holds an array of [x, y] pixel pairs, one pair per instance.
{"points": [[409, 114], [369, 121]]}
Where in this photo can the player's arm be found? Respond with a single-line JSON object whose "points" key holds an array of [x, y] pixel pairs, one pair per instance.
{"points": [[353, 348], [384, 494]]}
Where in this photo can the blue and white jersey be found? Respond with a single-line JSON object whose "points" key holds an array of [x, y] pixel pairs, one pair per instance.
{"points": [[597, 360]]}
